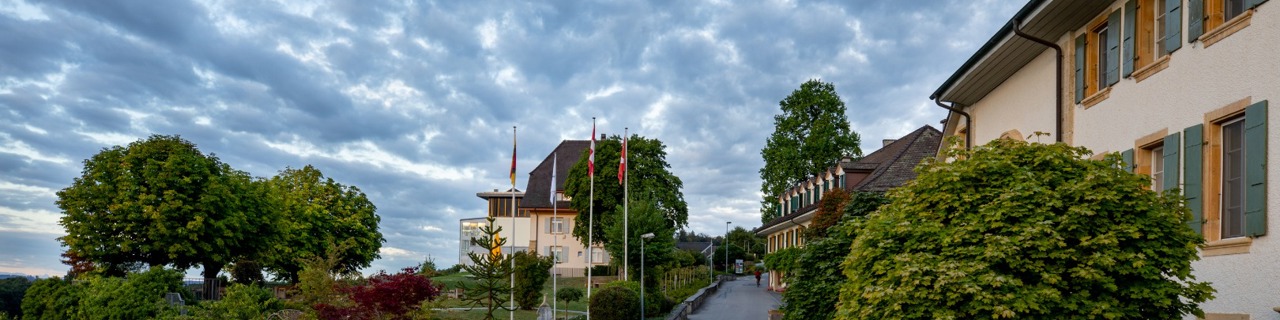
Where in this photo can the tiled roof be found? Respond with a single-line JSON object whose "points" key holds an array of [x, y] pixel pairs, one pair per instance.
{"points": [[538, 191], [892, 166]]}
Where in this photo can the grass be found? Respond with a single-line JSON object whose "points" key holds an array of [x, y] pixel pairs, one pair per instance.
{"points": [[462, 278]]}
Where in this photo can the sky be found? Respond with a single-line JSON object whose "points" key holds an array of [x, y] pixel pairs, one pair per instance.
{"points": [[413, 101]]}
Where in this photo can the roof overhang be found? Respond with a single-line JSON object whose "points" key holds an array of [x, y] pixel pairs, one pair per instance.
{"points": [[1006, 53], [787, 224]]}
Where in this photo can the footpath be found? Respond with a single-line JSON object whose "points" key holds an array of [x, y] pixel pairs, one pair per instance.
{"points": [[740, 299]]}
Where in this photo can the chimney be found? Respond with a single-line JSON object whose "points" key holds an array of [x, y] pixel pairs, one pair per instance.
{"points": [[887, 142], [601, 136]]}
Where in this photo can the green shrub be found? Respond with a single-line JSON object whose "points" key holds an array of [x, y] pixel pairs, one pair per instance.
{"points": [[11, 292], [241, 302], [615, 302], [51, 298], [809, 288], [531, 273], [783, 260], [654, 301], [1023, 230], [139, 296]]}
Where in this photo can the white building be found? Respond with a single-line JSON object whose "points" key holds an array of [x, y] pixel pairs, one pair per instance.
{"points": [[1179, 87]]}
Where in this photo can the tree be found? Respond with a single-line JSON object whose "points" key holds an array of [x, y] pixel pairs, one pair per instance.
{"points": [[645, 218], [809, 287], [830, 211], [615, 303], [649, 176], [160, 201], [317, 213], [531, 273], [491, 270], [1024, 230], [11, 291], [810, 135], [568, 295]]}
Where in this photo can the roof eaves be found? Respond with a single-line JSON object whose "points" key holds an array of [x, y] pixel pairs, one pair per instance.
{"points": [[987, 48]]}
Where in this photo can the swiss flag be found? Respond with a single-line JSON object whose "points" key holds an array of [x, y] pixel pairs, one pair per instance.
{"points": [[622, 163], [591, 160]]}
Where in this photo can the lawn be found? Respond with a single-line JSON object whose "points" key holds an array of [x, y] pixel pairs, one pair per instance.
{"points": [[454, 280]]}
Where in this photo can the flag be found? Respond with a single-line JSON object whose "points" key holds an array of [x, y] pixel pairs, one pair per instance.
{"points": [[553, 177], [622, 163], [513, 161], [497, 247], [591, 160]]}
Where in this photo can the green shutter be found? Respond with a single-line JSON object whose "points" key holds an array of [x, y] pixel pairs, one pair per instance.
{"points": [[1080, 54], [1253, 3], [1173, 25], [1130, 28], [1127, 157], [1113, 48], [1193, 157], [1255, 169], [1195, 19], [1172, 143]]}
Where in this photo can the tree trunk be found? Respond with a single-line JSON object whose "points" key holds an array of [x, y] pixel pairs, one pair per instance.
{"points": [[211, 284]]}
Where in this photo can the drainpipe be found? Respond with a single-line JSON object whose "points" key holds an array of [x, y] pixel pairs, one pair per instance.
{"points": [[968, 121], [1017, 29]]}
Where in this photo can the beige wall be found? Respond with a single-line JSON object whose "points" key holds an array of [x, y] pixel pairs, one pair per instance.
{"points": [[575, 254], [1030, 92]]}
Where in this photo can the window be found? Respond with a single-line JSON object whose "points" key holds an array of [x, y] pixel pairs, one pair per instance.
{"points": [[597, 255], [1233, 179], [1098, 58], [1228, 197], [556, 252], [1213, 20], [555, 225], [1232, 9]]}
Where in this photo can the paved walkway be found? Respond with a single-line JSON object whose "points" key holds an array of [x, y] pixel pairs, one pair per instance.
{"points": [[740, 299]]}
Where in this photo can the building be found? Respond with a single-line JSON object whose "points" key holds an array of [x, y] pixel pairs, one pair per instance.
{"points": [[516, 230], [889, 167], [551, 224], [1179, 88]]}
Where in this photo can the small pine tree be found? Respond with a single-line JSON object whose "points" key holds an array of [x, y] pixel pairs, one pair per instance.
{"points": [[491, 269]]}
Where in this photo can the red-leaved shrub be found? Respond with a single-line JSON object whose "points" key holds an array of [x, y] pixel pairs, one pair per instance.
{"points": [[389, 296]]}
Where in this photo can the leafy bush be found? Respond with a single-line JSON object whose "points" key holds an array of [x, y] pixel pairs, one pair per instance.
{"points": [[383, 295], [809, 288], [51, 298], [830, 212], [531, 273], [241, 302], [615, 302], [568, 295], [1022, 230], [783, 260], [654, 302]]}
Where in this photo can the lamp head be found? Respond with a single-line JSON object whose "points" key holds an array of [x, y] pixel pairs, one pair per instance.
{"points": [[647, 235]]}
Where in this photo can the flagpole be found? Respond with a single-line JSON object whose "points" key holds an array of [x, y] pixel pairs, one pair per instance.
{"points": [[555, 240], [626, 234], [591, 215], [511, 296]]}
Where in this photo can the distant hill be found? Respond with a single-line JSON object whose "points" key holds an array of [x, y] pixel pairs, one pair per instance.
{"points": [[16, 275]]}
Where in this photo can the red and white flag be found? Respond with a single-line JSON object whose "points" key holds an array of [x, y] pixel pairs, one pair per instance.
{"points": [[591, 160], [622, 162]]}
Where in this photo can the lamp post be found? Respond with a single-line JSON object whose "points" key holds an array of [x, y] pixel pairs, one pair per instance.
{"points": [[643, 237], [726, 246]]}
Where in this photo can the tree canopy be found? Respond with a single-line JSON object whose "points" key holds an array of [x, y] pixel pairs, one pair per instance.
{"points": [[810, 135], [160, 201], [1024, 230], [650, 178], [645, 218], [317, 214]]}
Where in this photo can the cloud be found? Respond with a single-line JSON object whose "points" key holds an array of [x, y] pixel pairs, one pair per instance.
{"points": [[413, 102]]}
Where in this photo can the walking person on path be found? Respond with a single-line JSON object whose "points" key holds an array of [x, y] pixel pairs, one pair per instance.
{"points": [[757, 278]]}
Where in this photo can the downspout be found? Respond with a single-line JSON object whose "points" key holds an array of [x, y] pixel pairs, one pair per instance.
{"points": [[1017, 29], [968, 121]]}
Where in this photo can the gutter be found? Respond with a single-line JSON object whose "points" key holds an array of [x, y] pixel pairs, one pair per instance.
{"points": [[1016, 26], [968, 121]]}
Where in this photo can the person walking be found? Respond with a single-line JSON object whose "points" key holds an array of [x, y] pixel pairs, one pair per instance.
{"points": [[757, 278]]}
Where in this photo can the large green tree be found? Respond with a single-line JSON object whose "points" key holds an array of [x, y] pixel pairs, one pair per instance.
{"points": [[645, 218], [810, 286], [1027, 231], [160, 201], [649, 178], [317, 214], [810, 135]]}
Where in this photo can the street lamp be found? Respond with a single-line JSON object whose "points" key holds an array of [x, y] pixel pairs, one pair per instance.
{"points": [[726, 246], [643, 237]]}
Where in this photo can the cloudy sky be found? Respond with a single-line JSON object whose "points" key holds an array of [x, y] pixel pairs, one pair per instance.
{"points": [[413, 101]]}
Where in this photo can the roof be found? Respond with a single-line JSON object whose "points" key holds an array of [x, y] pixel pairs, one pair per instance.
{"points": [[499, 194], [538, 192], [891, 167], [693, 246], [1006, 53]]}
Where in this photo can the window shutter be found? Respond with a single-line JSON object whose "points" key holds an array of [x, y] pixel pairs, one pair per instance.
{"points": [[1113, 48], [1255, 169], [1172, 143], [1195, 19], [1080, 54], [1193, 188], [1173, 25], [1127, 157], [548, 225], [1130, 27]]}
